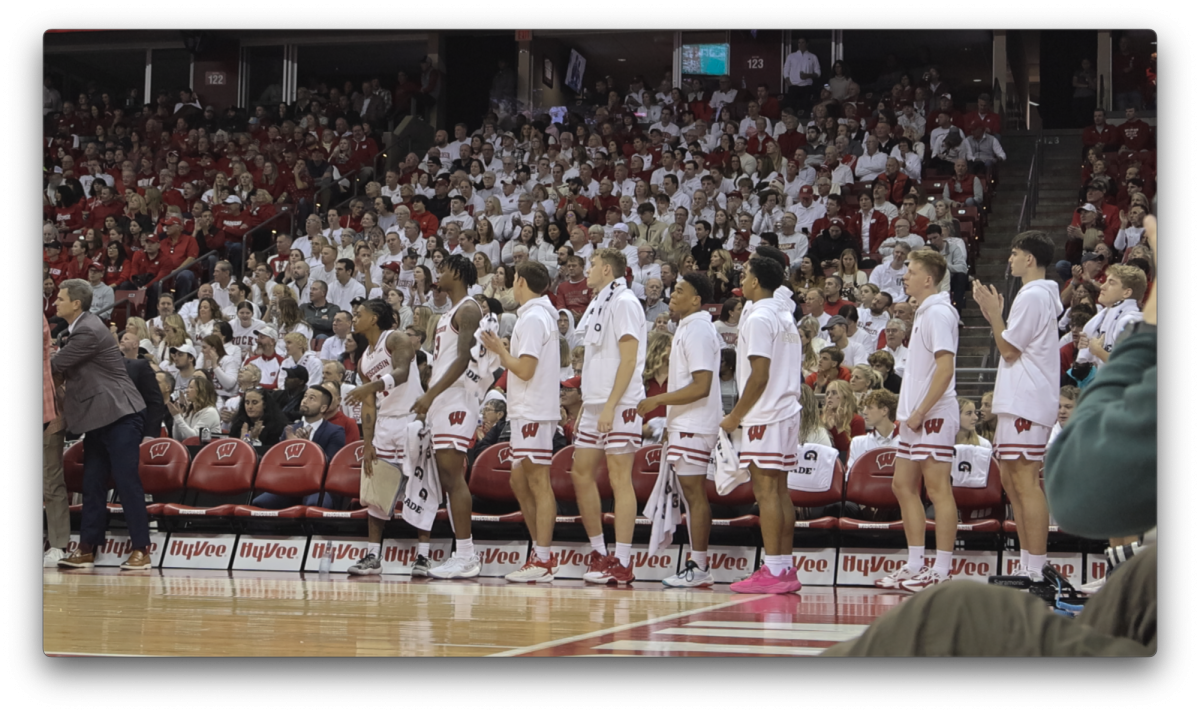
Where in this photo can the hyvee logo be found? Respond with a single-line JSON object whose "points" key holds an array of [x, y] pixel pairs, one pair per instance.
{"points": [[1067, 570], [872, 564], [113, 546], [294, 451], [496, 555], [224, 451], [268, 551], [644, 559], [159, 450], [805, 564], [720, 561], [197, 549], [570, 556], [340, 551], [405, 556]]}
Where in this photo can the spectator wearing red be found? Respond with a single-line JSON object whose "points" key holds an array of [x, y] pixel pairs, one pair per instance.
{"points": [[76, 267], [840, 415], [118, 267], [68, 211], [261, 209], [148, 264], [169, 194], [832, 293], [1135, 133], [1095, 196], [1128, 75], [108, 205], [898, 182], [869, 227], [573, 292], [916, 222], [944, 105], [55, 260], [767, 105], [1101, 132], [982, 116], [179, 250], [429, 223], [829, 370], [963, 188]]}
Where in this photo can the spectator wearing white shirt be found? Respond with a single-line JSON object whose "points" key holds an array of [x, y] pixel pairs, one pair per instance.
{"points": [[910, 161], [800, 70], [955, 253], [1131, 228], [724, 95], [880, 192], [344, 288], [793, 243], [806, 210], [669, 129], [645, 267], [751, 119], [853, 353], [902, 235], [873, 161], [983, 149], [458, 213], [769, 217], [889, 275], [894, 334], [667, 168]]}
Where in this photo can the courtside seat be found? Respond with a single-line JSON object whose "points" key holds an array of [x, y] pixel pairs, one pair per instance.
{"points": [[343, 479], [223, 468], [490, 481], [978, 499], [73, 473], [870, 485], [564, 487], [645, 475], [832, 496], [293, 468], [192, 441], [162, 468], [743, 495]]}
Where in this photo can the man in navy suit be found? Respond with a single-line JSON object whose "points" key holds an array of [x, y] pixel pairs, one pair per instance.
{"points": [[311, 427]]}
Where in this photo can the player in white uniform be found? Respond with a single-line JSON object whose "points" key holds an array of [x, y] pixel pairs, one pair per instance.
{"points": [[928, 415], [768, 412], [693, 415], [613, 330], [387, 397], [1025, 399], [451, 409], [533, 413]]}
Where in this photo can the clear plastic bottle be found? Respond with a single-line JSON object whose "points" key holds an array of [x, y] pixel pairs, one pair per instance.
{"points": [[327, 558]]}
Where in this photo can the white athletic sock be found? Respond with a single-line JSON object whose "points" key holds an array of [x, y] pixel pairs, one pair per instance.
{"points": [[373, 549], [598, 544], [1037, 562], [541, 552], [776, 564], [1024, 559], [916, 558], [700, 558], [465, 547], [942, 562], [623, 550], [423, 549]]}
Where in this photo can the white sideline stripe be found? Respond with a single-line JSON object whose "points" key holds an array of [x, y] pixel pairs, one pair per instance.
{"points": [[819, 635], [715, 648], [622, 628], [825, 627]]}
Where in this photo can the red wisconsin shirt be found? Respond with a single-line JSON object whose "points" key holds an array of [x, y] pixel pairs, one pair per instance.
{"points": [[574, 296], [143, 263], [114, 275], [1108, 136], [1135, 134], [173, 255], [653, 389], [989, 121]]}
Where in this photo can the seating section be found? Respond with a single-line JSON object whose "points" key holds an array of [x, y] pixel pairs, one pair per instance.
{"points": [[162, 469], [292, 468], [224, 468], [342, 480], [489, 480]]}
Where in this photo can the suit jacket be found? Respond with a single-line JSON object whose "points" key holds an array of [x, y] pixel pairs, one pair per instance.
{"points": [[330, 437], [98, 389], [142, 375]]}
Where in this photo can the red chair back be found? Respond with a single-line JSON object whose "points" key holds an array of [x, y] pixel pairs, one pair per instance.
{"points": [[560, 476], [293, 467], [223, 467], [490, 474], [192, 441], [980, 499], [163, 466], [345, 471], [870, 482], [645, 471], [73, 469], [809, 499], [743, 495]]}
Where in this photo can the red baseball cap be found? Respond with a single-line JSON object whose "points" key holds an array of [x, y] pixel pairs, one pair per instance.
{"points": [[392, 266], [806, 190], [572, 383], [96, 265], [150, 237], [172, 221]]}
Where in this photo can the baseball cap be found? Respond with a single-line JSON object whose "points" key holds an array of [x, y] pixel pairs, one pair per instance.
{"points": [[572, 383], [232, 198], [52, 243], [806, 190], [392, 266], [836, 220], [621, 227], [836, 320], [1088, 257], [297, 372], [506, 181], [267, 331], [186, 349], [150, 237], [96, 265], [172, 221], [1089, 207]]}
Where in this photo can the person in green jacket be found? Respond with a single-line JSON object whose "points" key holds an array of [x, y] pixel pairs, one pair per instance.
{"points": [[1101, 482]]}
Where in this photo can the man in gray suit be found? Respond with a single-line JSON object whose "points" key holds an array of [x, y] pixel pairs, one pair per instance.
{"points": [[102, 404]]}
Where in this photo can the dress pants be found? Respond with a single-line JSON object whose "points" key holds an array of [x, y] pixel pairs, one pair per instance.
{"points": [[114, 450], [54, 490]]}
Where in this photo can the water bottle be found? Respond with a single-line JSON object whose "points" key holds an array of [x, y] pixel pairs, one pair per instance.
{"points": [[327, 558], [205, 435]]}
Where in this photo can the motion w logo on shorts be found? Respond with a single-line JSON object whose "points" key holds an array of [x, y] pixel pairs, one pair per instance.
{"points": [[756, 432], [456, 418], [933, 426], [529, 430], [629, 415], [1022, 425]]}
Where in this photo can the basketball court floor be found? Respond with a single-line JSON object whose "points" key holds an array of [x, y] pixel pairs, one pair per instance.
{"points": [[109, 612]]}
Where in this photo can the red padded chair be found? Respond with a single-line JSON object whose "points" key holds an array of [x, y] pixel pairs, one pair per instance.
{"points": [[489, 481], [645, 474], [162, 468], [978, 499], [829, 497], [223, 468], [73, 473], [192, 441], [870, 485], [1010, 526], [294, 467], [743, 495], [343, 478], [564, 487]]}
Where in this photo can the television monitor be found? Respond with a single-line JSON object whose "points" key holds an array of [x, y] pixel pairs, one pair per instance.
{"points": [[711, 60]]}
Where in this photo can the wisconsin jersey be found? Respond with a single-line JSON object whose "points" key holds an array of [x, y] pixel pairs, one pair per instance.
{"points": [[445, 346], [377, 362]]}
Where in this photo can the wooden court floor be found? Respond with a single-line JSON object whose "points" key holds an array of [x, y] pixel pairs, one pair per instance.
{"points": [[224, 613]]}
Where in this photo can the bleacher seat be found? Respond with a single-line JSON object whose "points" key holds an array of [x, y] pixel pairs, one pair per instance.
{"points": [[293, 468], [343, 479], [162, 468], [564, 487], [489, 480], [830, 497], [223, 468]]}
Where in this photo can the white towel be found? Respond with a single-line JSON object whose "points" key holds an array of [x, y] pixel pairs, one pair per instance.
{"points": [[971, 466], [658, 431], [662, 508], [422, 490], [591, 325], [483, 361], [816, 469], [723, 465]]}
